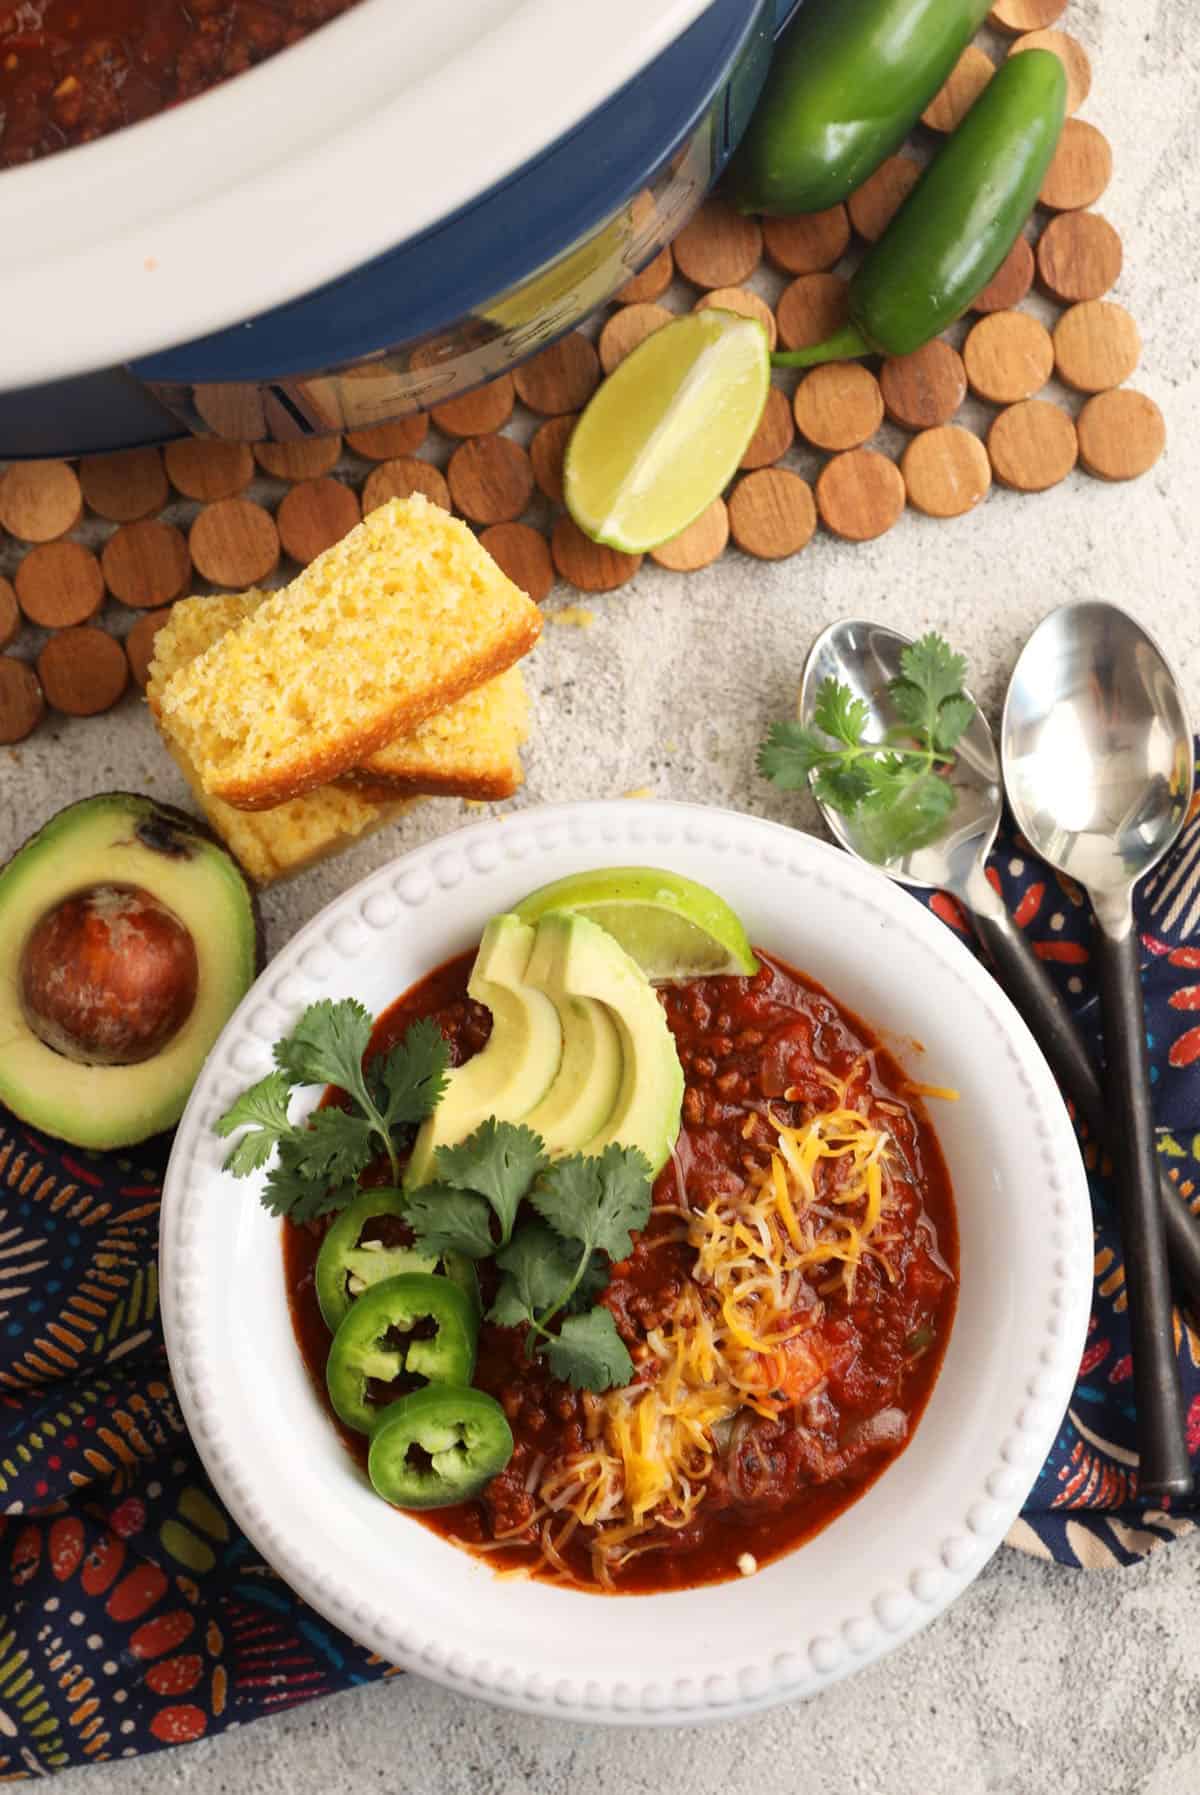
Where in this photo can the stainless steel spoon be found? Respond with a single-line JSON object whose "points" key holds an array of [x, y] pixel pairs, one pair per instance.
{"points": [[1097, 754], [865, 657]]}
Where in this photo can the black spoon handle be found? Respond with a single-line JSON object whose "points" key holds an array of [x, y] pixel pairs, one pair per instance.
{"points": [[1026, 981]]}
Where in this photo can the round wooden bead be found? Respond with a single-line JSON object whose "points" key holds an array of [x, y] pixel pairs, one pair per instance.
{"points": [[387, 442], [719, 247], [147, 563], [314, 515], [772, 514], [39, 500], [235, 543], [490, 479], [1032, 445], [479, 413], [1025, 15], [60, 584], [523, 554], [946, 471], [1121, 434], [139, 643], [860, 495], [775, 434], [1008, 356], [304, 460], [22, 705], [651, 282], [879, 199], [588, 565], [399, 479], [967, 80], [745, 303], [83, 671], [1070, 53], [701, 543], [1010, 283], [10, 615], [209, 470], [926, 388], [562, 378], [124, 487], [1079, 256], [546, 452], [809, 243], [838, 406], [1097, 345], [629, 326], [1081, 169], [812, 309]]}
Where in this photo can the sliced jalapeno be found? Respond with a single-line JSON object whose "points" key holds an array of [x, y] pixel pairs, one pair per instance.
{"points": [[347, 1264], [438, 1446], [379, 1341]]}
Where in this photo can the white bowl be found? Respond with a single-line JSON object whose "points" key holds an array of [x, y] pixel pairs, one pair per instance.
{"points": [[886, 1566]]}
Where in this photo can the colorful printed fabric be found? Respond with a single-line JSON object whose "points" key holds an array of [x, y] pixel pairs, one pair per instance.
{"points": [[134, 1615]]}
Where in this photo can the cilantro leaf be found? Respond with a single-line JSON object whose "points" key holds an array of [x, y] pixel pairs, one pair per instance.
{"points": [[500, 1161], [444, 1220], [954, 716], [538, 1268], [327, 1045], [597, 1201], [791, 753], [589, 1354], [915, 817], [840, 714], [335, 1145], [932, 664], [263, 1111], [407, 1084]]}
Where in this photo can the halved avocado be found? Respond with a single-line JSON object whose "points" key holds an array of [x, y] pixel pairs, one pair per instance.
{"points": [[127, 940]]}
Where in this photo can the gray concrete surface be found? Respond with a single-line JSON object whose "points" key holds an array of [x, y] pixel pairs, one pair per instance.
{"points": [[1039, 1679]]}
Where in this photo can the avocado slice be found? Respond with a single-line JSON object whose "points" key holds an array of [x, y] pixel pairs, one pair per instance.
{"points": [[515, 1069], [127, 940], [584, 1094]]}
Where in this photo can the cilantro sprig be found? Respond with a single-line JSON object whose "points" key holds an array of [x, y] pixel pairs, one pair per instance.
{"points": [[319, 1160], [895, 789]]}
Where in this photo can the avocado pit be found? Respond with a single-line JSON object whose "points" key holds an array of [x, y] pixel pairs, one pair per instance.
{"points": [[108, 976]]}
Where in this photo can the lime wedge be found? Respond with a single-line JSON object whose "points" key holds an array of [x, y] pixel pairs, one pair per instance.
{"points": [[663, 436], [672, 927]]}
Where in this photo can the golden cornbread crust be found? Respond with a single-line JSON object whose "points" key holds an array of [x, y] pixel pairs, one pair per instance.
{"points": [[396, 622]]}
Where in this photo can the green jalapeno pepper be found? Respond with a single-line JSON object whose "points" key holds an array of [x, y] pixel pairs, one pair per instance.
{"points": [[365, 1347], [347, 1264], [953, 232], [849, 81], [461, 1440]]}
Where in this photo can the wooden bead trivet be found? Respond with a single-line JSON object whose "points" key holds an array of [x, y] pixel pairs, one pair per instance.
{"points": [[10, 615], [587, 564], [924, 389], [209, 471], [808, 244], [1097, 345], [124, 487], [775, 434], [523, 554], [40, 500], [651, 283], [1008, 356], [306, 460], [1081, 169], [879, 199], [147, 563], [1032, 446], [1010, 283], [838, 406], [480, 413], [1079, 256], [811, 309], [139, 643], [546, 452], [235, 543], [1121, 434], [490, 480], [1071, 54], [745, 303], [22, 706], [1025, 15], [860, 495], [83, 671], [59, 584], [699, 545], [719, 247], [946, 471], [967, 80], [314, 515], [562, 378], [386, 442], [772, 514], [399, 479], [628, 327]]}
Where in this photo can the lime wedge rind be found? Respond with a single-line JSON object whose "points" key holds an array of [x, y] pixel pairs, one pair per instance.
{"points": [[672, 926]]}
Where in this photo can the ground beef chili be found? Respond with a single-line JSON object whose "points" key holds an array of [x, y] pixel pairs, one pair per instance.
{"points": [[743, 1044], [74, 70]]}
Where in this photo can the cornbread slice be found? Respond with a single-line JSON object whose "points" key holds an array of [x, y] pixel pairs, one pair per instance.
{"points": [[400, 618]]}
